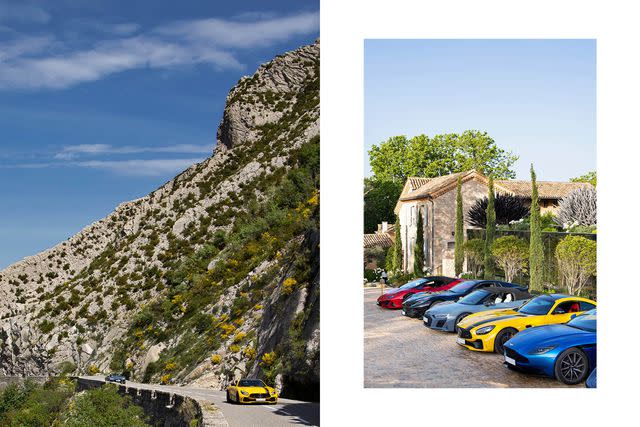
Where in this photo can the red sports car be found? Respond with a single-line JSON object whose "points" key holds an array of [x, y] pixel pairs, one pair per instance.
{"points": [[395, 297]]}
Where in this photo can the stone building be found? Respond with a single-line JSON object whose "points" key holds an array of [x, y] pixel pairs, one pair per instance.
{"points": [[435, 200], [376, 245]]}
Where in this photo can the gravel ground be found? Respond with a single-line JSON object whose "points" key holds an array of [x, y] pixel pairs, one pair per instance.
{"points": [[401, 352]]}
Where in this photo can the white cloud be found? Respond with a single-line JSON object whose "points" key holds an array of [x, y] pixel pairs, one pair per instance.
{"points": [[209, 41], [74, 151], [140, 167]]}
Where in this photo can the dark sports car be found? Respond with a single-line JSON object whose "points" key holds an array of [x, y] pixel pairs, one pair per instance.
{"points": [[416, 305], [394, 297], [116, 378], [566, 351]]}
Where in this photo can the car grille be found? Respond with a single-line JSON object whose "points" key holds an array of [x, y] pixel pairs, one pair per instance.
{"points": [[515, 355], [258, 395], [463, 333]]}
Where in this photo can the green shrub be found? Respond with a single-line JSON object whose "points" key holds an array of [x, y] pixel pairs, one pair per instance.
{"points": [[511, 254], [576, 256]]}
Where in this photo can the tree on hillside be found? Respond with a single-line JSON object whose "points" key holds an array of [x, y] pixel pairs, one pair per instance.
{"points": [[508, 208], [578, 208], [399, 157], [380, 198], [490, 233], [397, 252], [511, 254], [536, 252], [458, 253], [589, 177], [576, 256], [418, 259]]}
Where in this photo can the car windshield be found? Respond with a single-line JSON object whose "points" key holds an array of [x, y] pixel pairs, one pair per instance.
{"points": [[251, 383], [474, 298], [412, 284], [586, 322], [537, 306], [463, 287]]}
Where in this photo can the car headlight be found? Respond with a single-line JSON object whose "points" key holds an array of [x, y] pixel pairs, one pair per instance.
{"points": [[542, 350], [485, 330], [244, 393], [441, 316]]}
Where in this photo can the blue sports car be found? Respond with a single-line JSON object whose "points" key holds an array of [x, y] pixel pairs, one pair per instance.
{"points": [[566, 351], [447, 315]]}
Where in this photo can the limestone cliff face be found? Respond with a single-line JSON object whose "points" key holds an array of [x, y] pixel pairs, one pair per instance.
{"points": [[80, 301]]}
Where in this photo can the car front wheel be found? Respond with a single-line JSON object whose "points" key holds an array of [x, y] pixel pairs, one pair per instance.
{"points": [[502, 337], [228, 397], [458, 320], [572, 366]]}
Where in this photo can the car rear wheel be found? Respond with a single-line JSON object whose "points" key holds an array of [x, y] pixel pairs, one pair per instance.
{"points": [[572, 366], [458, 320], [502, 337]]}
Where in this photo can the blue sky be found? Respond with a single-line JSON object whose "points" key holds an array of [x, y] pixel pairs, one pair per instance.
{"points": [[536, 98], [103, 101]]}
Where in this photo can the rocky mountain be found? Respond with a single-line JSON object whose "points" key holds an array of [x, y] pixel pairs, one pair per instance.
{"points": [[212, 276]]}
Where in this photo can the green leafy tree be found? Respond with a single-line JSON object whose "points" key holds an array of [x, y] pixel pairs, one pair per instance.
{"points": [[490, 233], [576, 257], [590, 177], [390, 260], [511, 254], [474, 251], [399, 157], [104, 407], [380, 198], [418, 258], [397, 252], [459, 231], [536, 251]]}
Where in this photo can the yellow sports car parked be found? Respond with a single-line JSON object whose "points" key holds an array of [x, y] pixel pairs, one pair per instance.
{"points": [[251, 391], [490, 330]]}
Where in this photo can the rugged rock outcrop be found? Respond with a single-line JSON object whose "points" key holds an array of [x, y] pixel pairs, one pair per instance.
{"points": [[134, 290]]}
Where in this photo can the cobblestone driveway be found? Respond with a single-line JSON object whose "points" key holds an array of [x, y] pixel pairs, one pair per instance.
{"points": [[401, 352]]}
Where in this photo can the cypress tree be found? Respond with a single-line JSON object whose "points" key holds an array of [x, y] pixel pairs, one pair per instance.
{"points": [[418, 258], [489, 266], [397, 253], [458, 253], [536, 253]]}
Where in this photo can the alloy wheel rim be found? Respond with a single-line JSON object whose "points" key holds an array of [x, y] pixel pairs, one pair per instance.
{"points": [[572, 366]]}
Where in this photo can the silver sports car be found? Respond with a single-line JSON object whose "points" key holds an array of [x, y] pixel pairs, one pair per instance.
{"points": [[445, 316]]}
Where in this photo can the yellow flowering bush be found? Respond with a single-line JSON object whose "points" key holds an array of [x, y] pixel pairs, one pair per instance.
{"points": [[233, 348], [268, 359], [239, 337], [249, 352], [216, 358], [165, 379], [93, 369], [288, 285], [170, 366], [227, 329]]}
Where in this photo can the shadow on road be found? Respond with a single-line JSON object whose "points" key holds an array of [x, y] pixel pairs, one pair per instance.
{"points": [[307, 414]]}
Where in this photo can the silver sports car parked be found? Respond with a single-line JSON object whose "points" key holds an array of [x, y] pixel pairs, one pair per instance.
{"points": [[445, 316]]}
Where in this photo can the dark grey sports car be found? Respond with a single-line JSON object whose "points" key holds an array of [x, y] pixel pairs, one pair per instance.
{"points": [[445, 316]]}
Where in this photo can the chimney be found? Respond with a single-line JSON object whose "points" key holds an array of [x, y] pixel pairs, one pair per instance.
{"points": [[385, 226]]}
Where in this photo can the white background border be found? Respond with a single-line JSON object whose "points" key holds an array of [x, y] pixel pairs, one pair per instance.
{"points": [[344, 26]]}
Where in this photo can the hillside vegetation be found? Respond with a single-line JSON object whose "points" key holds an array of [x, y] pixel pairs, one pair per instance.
{"points": [[213, 276]]}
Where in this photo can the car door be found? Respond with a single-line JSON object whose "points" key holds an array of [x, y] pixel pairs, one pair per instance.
{"points": [[560, 313]]}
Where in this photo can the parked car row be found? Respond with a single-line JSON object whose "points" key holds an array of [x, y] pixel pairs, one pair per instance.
{"points": [[551, 335]]}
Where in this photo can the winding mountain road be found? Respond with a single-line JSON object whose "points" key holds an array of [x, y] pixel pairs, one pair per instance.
{"points": [[286, 413]]}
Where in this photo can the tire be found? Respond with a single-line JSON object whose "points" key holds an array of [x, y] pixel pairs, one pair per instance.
{"points": [[458, 319], [228, 397], [502, 337], [572, 366]]}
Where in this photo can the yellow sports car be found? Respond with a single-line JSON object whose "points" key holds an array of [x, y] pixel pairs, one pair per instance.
{"points": [[490, 330], [251, 391]]}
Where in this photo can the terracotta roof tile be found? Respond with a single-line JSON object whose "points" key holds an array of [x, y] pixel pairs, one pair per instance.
{"points": [[546, 189], [371, 240]]}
